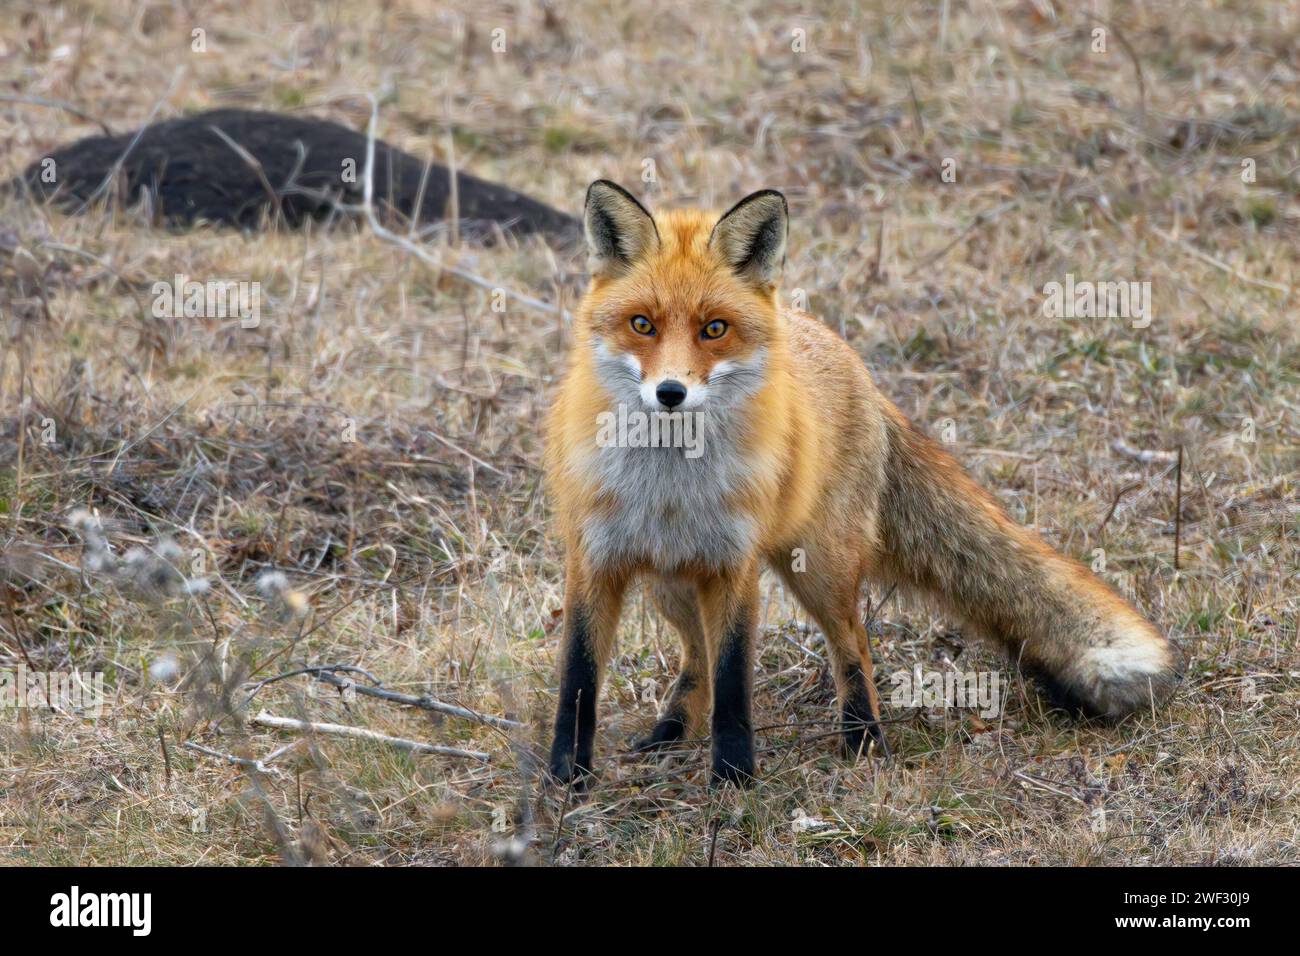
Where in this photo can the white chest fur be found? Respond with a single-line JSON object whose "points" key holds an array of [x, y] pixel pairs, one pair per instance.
{"points": [[670, 502]]}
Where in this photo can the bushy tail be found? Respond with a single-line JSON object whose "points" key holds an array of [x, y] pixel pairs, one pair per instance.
{"points": [[944, 535]]}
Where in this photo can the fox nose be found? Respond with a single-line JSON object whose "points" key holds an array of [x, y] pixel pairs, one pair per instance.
{"points": [[671, 393]]}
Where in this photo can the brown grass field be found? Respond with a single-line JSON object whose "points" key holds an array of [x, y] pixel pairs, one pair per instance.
{"points": [[376, 438]]}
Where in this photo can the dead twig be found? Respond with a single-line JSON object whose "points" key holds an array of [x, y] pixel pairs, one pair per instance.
{"points": [[1144, 455], [981, 218], [424, 702], [368, 208], [167, 760], [328, 673], [252, 162], [359, 733], [1222, 266], [1178, 508], [1115, 504], [247, 763], [130, 147], [58, 105]]}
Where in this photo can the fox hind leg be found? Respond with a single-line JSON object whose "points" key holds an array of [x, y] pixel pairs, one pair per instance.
{"points": [[854, 685], [859, 699], [688, 701], [831, 599]]}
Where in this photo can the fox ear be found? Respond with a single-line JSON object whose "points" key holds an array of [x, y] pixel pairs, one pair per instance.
{"points": [[619, 229], [750, 237]]}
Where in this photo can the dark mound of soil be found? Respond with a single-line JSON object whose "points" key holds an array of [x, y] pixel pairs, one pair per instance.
{"points": [[189, 173]]}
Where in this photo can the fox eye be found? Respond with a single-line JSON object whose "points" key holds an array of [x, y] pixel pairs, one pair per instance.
{"points": [[643, 325], [714, 330]]}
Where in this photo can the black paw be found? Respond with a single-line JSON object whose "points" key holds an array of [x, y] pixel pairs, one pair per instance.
{"points": [[862, 735], [733, 758], [667, 731], [566, 770]]}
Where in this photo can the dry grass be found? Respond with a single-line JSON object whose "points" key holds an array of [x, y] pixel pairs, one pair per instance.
{"points": [[433, 570]]}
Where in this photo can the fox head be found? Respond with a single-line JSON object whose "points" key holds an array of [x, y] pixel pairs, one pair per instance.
{"points": [[681, 312]]}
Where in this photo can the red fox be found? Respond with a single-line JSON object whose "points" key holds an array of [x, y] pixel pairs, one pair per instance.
{"points": [[799, 463]]}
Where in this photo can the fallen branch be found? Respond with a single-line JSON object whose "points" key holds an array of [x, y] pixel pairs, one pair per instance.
{"points": [[424, 703], [1140, 454], [328, 673], [289, 851], [358, 733], [246, 762]]}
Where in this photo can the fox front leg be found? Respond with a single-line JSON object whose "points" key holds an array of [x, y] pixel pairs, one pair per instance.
{"points": [[688, 701], [731, 607], [591, 611]]}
